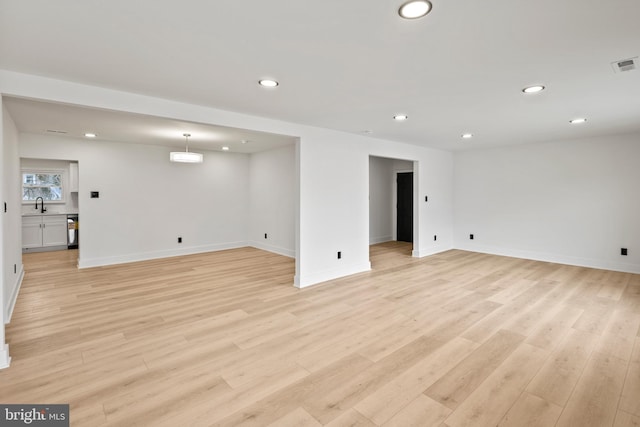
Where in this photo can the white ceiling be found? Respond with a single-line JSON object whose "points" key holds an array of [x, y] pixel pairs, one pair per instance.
{"points": [[351, 65]]}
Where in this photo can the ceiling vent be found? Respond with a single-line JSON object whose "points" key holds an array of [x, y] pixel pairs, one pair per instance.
{"points": [[624, 65], [56, 131]]}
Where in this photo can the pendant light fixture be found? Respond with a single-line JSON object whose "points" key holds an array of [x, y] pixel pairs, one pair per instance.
{"points": [[186, 156]]}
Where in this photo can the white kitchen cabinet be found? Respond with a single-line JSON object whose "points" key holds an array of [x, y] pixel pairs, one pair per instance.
{"points": [[43, 231], [54, 230], [73, 177], [31, 232]]}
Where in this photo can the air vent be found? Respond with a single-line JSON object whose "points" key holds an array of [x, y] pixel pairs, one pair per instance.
{"points": [[56, 131], [624, 65]]}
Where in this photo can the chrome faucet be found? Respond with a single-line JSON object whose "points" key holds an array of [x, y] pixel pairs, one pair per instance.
{"points": [[42, 208]]}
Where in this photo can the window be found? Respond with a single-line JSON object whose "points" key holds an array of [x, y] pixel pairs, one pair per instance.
{"points": [[47, 185]]}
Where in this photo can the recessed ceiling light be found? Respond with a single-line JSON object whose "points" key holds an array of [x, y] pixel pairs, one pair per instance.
{"points": [[414, 9], [467, 135], [533, 89], [225, 148], [400, 117], [90, 135], [268, 83], [577, 121]]}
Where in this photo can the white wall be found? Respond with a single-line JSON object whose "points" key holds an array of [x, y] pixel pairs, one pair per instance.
{"points": [[147, 202], [12, 256], [574, 202], [332, 184], [272, 179], [381, 223], [70, 204], [4, 349], [11, 270]]}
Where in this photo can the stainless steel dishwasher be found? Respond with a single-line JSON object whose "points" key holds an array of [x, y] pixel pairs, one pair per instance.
{"points": [[73, 232]]}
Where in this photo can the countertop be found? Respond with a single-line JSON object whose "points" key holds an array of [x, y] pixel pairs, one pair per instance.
{"points": [[50, 213]]}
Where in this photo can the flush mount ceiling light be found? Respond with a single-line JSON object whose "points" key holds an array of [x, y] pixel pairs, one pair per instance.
{"points": [[90, 135], [467, 135], [225, 148], [415, 9], [533, 89], [400, 117], [186, 156], [577, 121], [268, 83]]}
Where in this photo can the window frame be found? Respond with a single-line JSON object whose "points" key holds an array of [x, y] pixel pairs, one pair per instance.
{"points": [[44, 171]]}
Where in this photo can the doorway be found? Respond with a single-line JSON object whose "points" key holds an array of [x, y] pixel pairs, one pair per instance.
{"points": [[404, 207], [391, 206]]}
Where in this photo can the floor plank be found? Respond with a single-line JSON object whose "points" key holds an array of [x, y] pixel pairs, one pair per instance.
{"points": [[422, 411], [457, 384], [630, 400], [531, 411], [296, 418], [594, 401], [490, 402], [624, 419], [384, 403], [557, 378]]}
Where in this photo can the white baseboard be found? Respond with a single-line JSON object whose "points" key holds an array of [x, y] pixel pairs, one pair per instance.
{"points": [[146, 256], [11, 304], [274, 249], [554, 258], [5, 360], [382, 239], [420, 253], [45, 249], [324, 276]]}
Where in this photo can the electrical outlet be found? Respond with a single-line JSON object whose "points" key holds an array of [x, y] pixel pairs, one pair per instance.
{"points": [[435, 238], [470, 236], [623, 251], [265, 235], [426, 198], [179, 239], [339, 254]]}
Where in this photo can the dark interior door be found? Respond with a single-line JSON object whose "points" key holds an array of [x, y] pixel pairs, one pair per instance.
{"points": [[404, 216]]}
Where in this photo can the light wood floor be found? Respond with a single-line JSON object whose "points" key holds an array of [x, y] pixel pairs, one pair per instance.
{"points": [[224, 339]]}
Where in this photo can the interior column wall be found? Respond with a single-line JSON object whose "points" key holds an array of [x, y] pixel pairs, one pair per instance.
{"points": [[11, 270], [4, 349], [12, 255]]}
